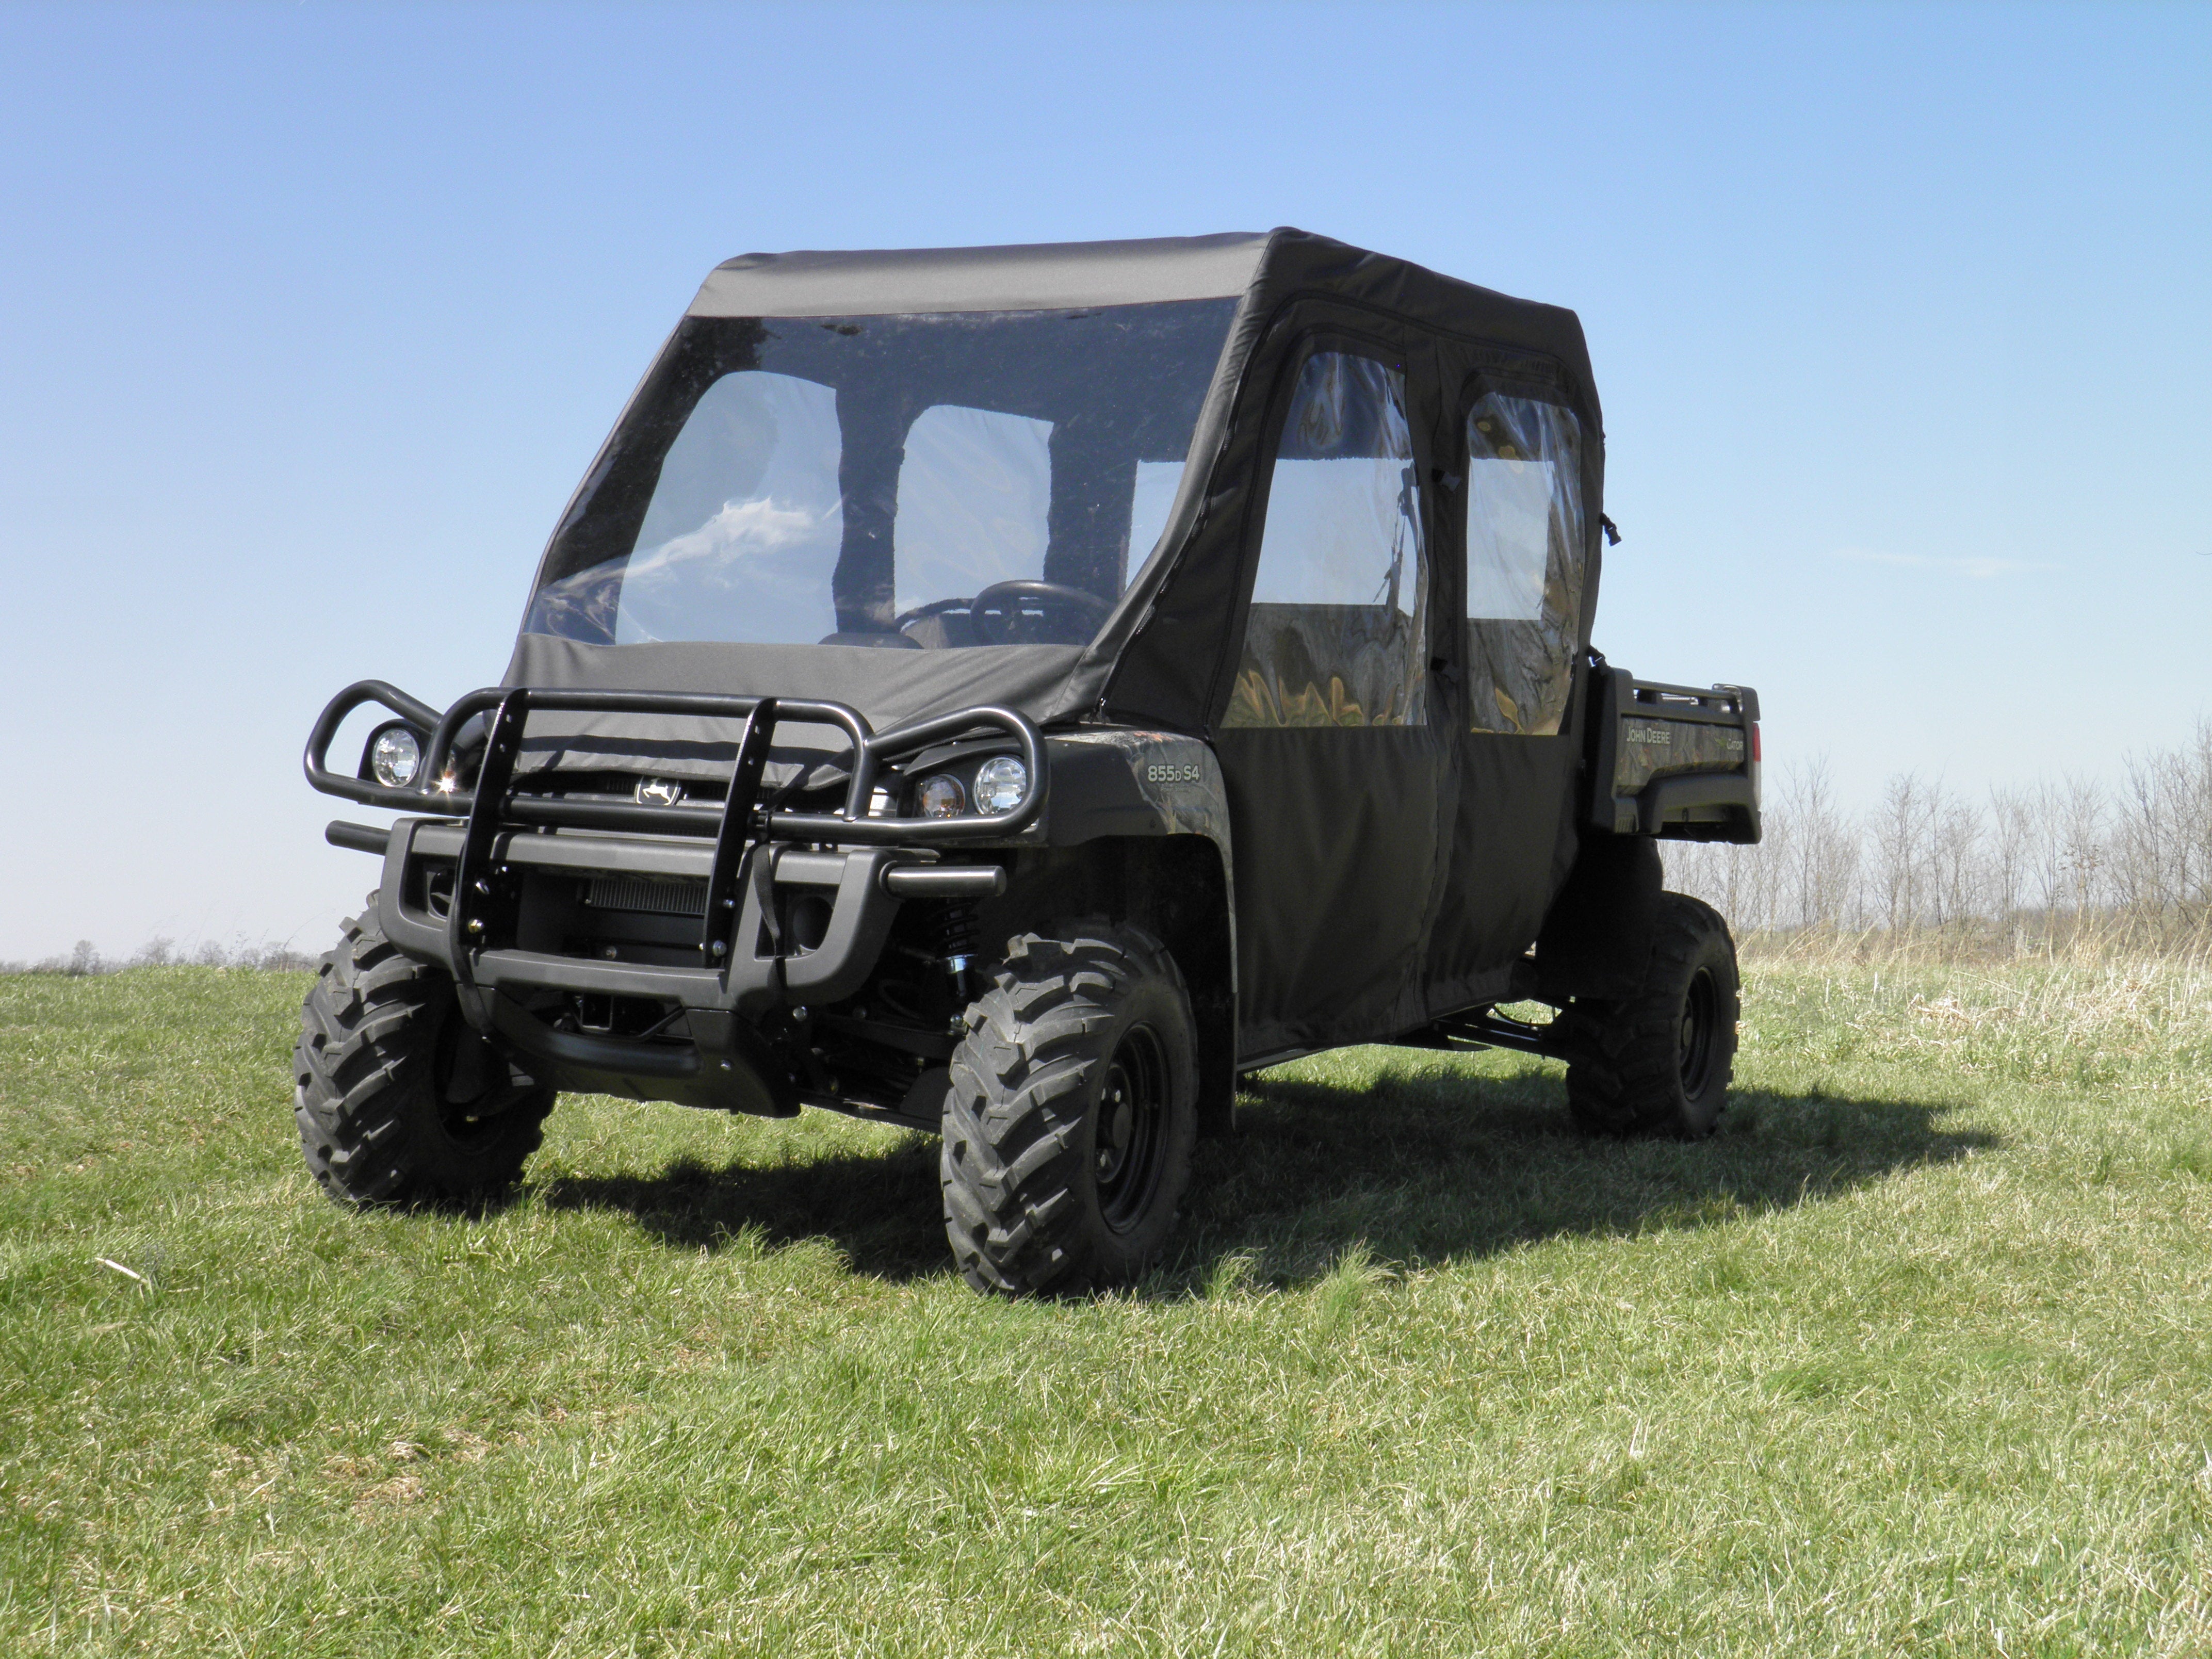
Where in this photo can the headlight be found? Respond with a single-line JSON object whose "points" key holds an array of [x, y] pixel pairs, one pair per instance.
{"points": [[940, 797], [395, 757], [1001, 784]]}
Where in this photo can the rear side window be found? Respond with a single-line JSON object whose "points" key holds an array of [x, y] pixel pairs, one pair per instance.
{"points": [[1341, 598], [1524, 563]]}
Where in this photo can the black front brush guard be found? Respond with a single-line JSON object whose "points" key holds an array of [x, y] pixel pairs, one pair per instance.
{"points": [[853, 826], [741, 850]]}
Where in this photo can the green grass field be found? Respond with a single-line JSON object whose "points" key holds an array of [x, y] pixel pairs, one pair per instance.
{"points": [[1914, 1357]]}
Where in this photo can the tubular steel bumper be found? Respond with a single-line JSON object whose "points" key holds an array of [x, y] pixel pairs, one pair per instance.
{"points": [[495, 837]]}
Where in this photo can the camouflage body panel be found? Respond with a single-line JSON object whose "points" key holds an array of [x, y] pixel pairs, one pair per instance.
{"points": [[1656, 748], [1675, 761], [1113, 781]]}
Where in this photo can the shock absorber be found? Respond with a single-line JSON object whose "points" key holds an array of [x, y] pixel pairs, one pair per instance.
{"points": [[955, 935]]}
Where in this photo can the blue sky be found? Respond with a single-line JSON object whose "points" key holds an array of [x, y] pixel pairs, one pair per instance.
{"points": [[311, 316]]}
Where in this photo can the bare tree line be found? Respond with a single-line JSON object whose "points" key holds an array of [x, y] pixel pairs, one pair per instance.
{"points": [[2019, 868], [158, 952]]}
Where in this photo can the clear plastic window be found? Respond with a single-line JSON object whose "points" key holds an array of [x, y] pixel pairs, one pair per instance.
{"points": [[1341, 598], [743, 529], [867, 480], [1524, 563], [974, 501]]}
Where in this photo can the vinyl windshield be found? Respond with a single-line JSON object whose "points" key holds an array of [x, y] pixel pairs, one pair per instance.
{"points": [[917, 482]]}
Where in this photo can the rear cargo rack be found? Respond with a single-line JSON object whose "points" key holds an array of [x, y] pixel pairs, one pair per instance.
{"points": [[1677, 762]]}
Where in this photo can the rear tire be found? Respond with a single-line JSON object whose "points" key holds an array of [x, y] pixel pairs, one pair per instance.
{"points": [[398, 1101], [1071, 1116], [1659, 1063]]}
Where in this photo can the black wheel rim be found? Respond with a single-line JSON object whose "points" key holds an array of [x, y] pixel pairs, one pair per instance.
{"points": [[1700, 1022], [1129, 1133]]}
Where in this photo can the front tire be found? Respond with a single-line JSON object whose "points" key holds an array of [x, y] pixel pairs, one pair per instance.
{"points": [[1071, 1116], [1660, 1062], [399, 1102]]}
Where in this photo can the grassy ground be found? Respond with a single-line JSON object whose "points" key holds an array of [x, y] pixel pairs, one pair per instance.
{"points": [[1915, 1356]]}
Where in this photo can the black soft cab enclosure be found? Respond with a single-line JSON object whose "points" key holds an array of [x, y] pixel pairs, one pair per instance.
{"points": [[1012, 691]]}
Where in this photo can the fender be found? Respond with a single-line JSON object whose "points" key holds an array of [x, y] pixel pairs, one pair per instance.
{"points": [[1597, 938], [1115, 781]]}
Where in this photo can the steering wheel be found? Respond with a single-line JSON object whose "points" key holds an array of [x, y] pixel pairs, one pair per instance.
{"points": [[993, 612], [935, 608]]}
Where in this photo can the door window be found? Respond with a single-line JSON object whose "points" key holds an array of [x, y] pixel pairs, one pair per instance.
{"points": [[1340, 599], [1524, 563]]}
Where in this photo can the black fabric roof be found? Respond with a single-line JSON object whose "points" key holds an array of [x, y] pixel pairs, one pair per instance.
{"points": [[1038, 276], [1055, 276]]}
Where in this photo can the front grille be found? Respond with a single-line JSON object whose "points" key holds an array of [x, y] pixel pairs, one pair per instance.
{"points": [[659, 896]]}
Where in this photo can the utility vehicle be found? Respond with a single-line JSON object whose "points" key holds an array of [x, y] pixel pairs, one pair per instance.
{"points": [[1013, 692]]}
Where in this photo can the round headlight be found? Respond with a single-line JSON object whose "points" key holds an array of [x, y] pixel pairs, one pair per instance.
{"points": [[395, 757], [940, 797], [1001, 784]]}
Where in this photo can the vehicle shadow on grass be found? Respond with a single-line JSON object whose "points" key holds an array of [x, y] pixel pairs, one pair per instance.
{"points": [[1422, 1168], [882, 1211], [1429, 1168]]}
